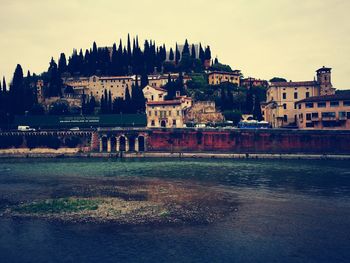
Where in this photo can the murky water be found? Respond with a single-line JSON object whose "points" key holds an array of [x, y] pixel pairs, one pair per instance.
{"points": [[288, 211]]}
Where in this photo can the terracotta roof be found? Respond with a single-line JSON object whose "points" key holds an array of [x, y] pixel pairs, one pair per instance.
{"points": [[235, 72], [334, 97], [294, 84], [165, 102], [156, 88], [116, 77]]}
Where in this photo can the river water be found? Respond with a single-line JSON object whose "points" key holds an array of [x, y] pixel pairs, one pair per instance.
{"points": [[288, 211]]}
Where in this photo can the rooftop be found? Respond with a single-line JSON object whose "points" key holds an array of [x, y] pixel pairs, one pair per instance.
{"points": [[165, 102], [234, 72], [294, 84], [334, 97]]}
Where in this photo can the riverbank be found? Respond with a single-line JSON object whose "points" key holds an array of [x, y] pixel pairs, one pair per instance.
{"points": [[82, 153], [121, 201]]}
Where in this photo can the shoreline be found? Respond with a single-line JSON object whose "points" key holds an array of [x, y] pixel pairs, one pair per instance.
{"points": [[76, 153]]}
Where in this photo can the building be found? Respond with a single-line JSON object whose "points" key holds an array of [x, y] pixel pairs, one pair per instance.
{"points": [[153, 93], [218, 77], [252, 82], [280, 109], [160, 81], [168, 113], [97, 85], [324, 112], [203, 112]]}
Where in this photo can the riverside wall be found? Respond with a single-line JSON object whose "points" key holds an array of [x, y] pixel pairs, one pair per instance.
{"points": [[169, 141], [250, 141]]}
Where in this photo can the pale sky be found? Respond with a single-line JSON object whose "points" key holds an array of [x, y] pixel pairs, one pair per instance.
{"points": [[263, 38]]}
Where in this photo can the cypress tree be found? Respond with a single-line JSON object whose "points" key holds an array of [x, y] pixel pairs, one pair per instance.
{"points": [[109, 102], [193, 52], [186, 49], [201, 53], [177, 55], [17, 91], [4, 88], [62, 63], [207, 54], [144, 80], [216, 61], [127, 107], [102, 105], [171, 55]]}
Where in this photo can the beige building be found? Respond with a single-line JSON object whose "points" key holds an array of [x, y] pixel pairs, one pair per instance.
{"points": [[154, 93], [324, 112], [167, 114], [203, 112], [280, 109], [161, 80], [218, 77], [97, 85]]}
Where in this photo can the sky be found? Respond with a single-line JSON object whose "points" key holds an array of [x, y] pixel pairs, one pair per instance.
{"points": [[262, 38]]}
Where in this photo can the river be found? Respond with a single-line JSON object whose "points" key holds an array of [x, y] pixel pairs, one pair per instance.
{"points": [[288, 211]]}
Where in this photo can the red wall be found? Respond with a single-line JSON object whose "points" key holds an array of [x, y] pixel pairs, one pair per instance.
{"points": [[255, 141]]}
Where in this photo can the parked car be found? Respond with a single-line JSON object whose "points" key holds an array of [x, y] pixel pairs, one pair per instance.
{"points": [[74, 129], [25, 128]]}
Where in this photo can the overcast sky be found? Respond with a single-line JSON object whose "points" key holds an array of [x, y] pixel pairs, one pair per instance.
{"points": [[263, 38]]}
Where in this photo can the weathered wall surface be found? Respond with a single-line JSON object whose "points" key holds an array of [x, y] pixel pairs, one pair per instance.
{"points": [[254, 141]]}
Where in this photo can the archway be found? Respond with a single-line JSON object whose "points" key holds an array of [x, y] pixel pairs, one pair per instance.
{"points": [[163, 123], [141, 144], [104, 143], [113, 144], [122, 144], [131, 143]]}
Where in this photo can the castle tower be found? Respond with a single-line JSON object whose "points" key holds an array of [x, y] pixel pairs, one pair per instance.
{"points": [[324, 81]]}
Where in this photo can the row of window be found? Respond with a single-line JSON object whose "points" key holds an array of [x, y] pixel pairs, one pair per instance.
{"points": [[163, 123], [284, 95], [113, 80], [309, 105], [332, 114], [163, 113]]}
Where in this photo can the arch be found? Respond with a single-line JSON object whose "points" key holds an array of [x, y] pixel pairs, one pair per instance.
{"points": [[163, 123], [141, 142], [104, 141], [131, 141], [113, 144], [122, 144]]}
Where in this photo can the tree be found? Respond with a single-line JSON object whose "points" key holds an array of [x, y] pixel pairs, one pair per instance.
{"points": [[62, 63], [257, 109], [4, 88], [171, 55], [177, 55], [37, 109], [186, 49], [55, 82], [234, 116], [144, 80], [193, 52], [207, 54], [278, 79], [17, 91], [201, 53], [59, 108]]}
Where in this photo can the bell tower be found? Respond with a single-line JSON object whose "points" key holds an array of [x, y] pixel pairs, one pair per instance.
{"points": [[324, 81]]}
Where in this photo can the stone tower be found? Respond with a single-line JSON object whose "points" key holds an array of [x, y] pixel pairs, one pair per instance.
{"points": [[324, 81]]}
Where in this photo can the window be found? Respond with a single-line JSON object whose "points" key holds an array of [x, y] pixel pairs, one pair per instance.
{"points": [[307, 94], [295, 95], [348, 115], [174, 122], [342, 115], [149, 113], [328, 114], [346, 103], [284, 106], [334, 103], [314, 115], [285, 118], [309, 105], [321, 105], [152, 123], [284, 95], [178, 113], [295, 106], [308, 116], [309, 125], [155, 113], [169, 113], [299, 106]]}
